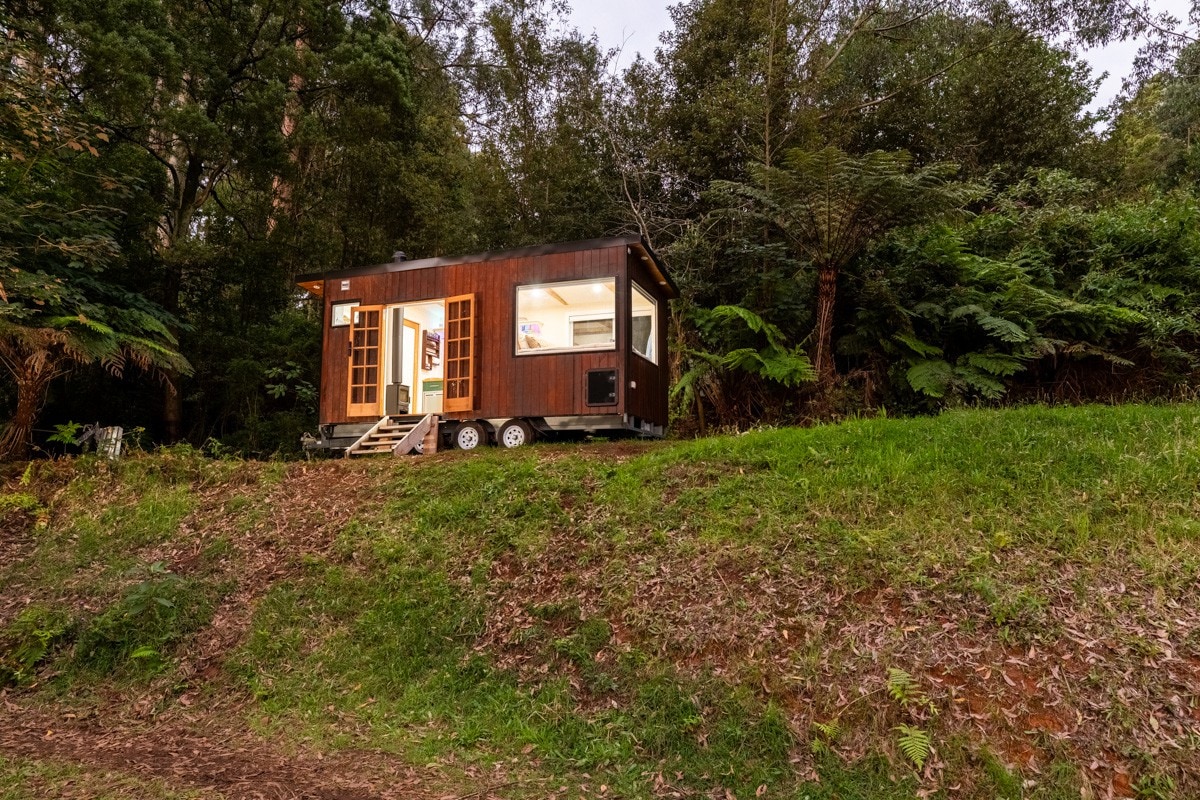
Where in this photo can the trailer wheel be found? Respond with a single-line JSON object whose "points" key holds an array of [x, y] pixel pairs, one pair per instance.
{"points": [[514, 433], [469, 436]]}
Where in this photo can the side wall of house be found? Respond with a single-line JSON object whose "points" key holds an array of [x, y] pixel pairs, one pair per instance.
{"points": [[647, 383], [508, 385]]}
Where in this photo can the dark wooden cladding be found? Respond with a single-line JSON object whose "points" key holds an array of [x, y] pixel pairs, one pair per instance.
{"points": [[512, 385], [647, 384]]}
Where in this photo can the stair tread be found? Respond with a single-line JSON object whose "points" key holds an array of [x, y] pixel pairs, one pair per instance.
{"points": [[389, 434]]}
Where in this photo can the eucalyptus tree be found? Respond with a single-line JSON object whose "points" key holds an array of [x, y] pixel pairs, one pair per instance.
{"points": [[1013, 102], [740, 82], [539, 96]]}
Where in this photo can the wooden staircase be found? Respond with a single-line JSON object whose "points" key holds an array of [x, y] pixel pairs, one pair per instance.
{"points": [[399, 436]]}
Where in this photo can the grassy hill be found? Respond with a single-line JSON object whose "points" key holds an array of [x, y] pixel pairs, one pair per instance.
{"points": [[981, 605]]}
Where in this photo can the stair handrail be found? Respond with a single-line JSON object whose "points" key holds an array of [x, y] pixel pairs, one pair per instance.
{"points": [[406, 445]]}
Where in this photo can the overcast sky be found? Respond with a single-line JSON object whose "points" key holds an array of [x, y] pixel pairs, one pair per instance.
{"points": [[637, 23]]}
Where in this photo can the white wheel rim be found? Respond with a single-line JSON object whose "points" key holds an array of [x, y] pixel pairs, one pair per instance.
{"points": [[468, 438], [513, 436]]}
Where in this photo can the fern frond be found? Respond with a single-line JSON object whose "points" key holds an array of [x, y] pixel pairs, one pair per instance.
{"points": [[923, 349], [788, 367], [831, 730], [932, 378], [995, 363], [915, 744], [1003, 329], [902, 686]]}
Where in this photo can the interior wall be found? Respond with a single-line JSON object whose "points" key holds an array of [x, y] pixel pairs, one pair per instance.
{"points": [[432, 318], [555, 323]]}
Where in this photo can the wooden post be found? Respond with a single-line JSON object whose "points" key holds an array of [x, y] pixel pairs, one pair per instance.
{"points": [[429, 445]]}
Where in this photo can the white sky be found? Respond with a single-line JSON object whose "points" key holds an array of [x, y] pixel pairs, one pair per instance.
{"points": [[636, 24]]}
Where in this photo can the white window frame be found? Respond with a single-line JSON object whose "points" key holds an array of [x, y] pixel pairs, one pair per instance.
{"points": [[571, 318], [652, 344], [348, 307]]}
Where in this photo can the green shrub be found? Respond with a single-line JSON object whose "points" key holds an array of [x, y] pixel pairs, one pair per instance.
{"points": [[29, 639], [135, 637], [20, 501]]}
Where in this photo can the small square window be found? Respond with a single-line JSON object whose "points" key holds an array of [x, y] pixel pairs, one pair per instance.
{"points": [[341, 314]]}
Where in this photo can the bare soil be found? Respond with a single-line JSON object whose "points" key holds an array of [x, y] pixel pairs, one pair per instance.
{"points": [[196, 753]]}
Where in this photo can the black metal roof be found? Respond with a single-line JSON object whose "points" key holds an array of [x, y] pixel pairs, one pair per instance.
{"points": [[496, 255]]}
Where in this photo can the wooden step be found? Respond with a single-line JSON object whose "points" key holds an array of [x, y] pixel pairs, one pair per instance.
{"points": [[394, 434]]}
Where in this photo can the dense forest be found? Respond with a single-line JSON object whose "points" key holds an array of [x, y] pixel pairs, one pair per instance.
{"points": [[868, 206]]}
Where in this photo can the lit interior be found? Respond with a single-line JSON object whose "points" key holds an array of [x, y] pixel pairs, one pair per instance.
{"points": [[572, 315]]}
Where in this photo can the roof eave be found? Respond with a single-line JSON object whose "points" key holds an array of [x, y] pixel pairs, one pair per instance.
{"points": [[314, 281]]}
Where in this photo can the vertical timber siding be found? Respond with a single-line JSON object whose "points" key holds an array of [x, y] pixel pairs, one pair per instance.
{"points": [[534, 385], [648, 399]]}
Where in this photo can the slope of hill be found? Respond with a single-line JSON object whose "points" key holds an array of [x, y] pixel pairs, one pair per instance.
{"points": [[981, 605]]}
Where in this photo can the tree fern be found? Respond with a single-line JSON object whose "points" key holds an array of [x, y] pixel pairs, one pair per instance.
{"points": [[932, 377], [773, 360]]}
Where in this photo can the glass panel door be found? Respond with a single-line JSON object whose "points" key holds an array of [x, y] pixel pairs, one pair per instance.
{"points": [[366, 334], [460, 361]]}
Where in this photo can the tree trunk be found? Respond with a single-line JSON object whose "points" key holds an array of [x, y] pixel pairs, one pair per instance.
{"points": [[17, 436], [823, 346], [172, 397]]}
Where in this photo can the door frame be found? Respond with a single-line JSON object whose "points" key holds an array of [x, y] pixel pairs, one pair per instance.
{"points": [[365, 408], [413, 392], [461, 351]]}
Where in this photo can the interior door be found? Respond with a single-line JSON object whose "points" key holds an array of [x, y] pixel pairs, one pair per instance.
{"points": [[364, 398], [412, 332], [461, 362]]}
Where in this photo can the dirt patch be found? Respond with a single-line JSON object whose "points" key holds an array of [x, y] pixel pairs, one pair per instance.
{"points": [[209, 759]]}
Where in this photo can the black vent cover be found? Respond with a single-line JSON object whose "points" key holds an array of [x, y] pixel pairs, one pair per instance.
{"points": [[602, 387]]}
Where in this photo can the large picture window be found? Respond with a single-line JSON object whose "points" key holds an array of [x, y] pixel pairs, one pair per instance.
{"points": [[565, 316], [644, 328]]}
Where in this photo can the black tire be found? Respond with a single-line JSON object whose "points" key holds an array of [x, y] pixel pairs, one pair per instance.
{"points": [[469, 436], [514, 433]]}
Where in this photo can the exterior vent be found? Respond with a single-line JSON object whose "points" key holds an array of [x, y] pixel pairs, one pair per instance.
{"points": [[399, 256], [602, 387]]}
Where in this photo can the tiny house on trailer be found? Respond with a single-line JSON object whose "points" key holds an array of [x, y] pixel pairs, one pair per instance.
{"points": [[496, 347]]}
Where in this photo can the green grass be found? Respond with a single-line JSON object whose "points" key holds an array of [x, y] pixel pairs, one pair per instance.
{"points": [[550, 607], [392, 652], [134, 637], [112, 517]]}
